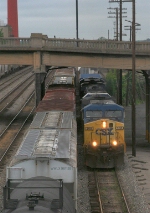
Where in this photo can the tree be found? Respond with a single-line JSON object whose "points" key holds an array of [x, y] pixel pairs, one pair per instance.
{"points": [[102, 38], [1, 33]]}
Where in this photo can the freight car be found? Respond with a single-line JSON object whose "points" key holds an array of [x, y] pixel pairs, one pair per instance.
{"points": [[60, 95], [64, 76], [43, 174], [103, 122]]}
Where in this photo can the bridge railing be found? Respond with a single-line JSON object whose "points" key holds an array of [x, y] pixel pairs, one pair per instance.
{"points": [[73, 44], [14, 42]]}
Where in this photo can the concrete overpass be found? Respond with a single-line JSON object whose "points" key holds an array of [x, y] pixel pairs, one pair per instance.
{"points": [[39, 50]]}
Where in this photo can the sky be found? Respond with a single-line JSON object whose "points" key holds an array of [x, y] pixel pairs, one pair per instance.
{"points": [[58, 18]]}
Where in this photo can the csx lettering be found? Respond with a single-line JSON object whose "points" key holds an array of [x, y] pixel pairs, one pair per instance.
{"points": [[107, 131]]}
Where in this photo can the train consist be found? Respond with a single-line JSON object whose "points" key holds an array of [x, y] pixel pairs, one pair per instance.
{"points": [[43, 174], [103, 121]]}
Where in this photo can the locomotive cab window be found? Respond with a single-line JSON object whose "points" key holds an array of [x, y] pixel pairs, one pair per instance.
{"points": [[94, 114], [114, 114]]}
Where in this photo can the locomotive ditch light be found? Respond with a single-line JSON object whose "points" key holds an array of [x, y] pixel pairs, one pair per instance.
{"points": [[114, 143], [104, 124], [94, 143]]}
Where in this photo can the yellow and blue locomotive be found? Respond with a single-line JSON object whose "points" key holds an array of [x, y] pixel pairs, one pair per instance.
{"points": [[104, 143]]}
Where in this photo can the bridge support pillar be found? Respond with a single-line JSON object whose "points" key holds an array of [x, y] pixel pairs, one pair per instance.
{"points": [[40, 75]]}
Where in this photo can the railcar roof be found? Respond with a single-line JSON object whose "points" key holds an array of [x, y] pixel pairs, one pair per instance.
{"points": [[62, 80], [107, 106], [52, 119], [97, 94], [51, 135], [95, 75], [65, 72]]}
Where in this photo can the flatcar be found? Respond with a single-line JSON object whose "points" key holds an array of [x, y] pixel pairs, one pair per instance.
{"points": [[42, 176]]}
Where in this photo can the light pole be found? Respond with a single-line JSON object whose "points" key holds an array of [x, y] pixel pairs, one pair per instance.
{"points": [[130, 28], [77, 19]]}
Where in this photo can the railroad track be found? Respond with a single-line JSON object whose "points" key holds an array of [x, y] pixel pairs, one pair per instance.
{"points": [[106, 194], [10, 133], [8, 99], [11, 79], [15, 122]]}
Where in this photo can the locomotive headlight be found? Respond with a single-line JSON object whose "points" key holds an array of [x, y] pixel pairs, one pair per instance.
{"points": [[104, 124], [114, 143], [94, 143]]}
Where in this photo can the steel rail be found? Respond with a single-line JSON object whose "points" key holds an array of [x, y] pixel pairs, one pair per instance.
{"points": [[98, 191], [20, 127], [123, 195], [12, 91], [12, 79], [98, 188]]}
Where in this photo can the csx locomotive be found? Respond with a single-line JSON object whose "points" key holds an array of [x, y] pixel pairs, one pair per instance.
{"points": [[103, 120]]}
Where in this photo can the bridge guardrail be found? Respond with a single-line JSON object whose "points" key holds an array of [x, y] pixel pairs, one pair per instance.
{"points": [[73, 44]]}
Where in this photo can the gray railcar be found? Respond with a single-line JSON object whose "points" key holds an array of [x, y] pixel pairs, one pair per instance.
{"points": [[43, 174]]}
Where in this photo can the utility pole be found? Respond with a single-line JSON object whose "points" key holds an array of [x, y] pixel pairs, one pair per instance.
{"points": [[120, 73], [77, 37], [77, 19], [116, 16], [133, 83], [129, 27], [133, 76]]}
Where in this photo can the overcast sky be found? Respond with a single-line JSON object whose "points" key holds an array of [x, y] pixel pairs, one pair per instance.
{"points": [[58, 17]]}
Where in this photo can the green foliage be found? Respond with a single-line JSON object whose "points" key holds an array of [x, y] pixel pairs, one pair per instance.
{"points": [[102, 38], [1, 33], [111, 82], [112, 85]]}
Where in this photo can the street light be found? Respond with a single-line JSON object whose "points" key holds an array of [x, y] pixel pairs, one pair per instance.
{"points": [[130, 28]]}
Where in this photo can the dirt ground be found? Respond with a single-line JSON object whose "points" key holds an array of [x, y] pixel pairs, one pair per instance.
{"points": [[141, 162]]}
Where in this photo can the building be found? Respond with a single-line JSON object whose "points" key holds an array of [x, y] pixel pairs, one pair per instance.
{"points": [[6, 30]]}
